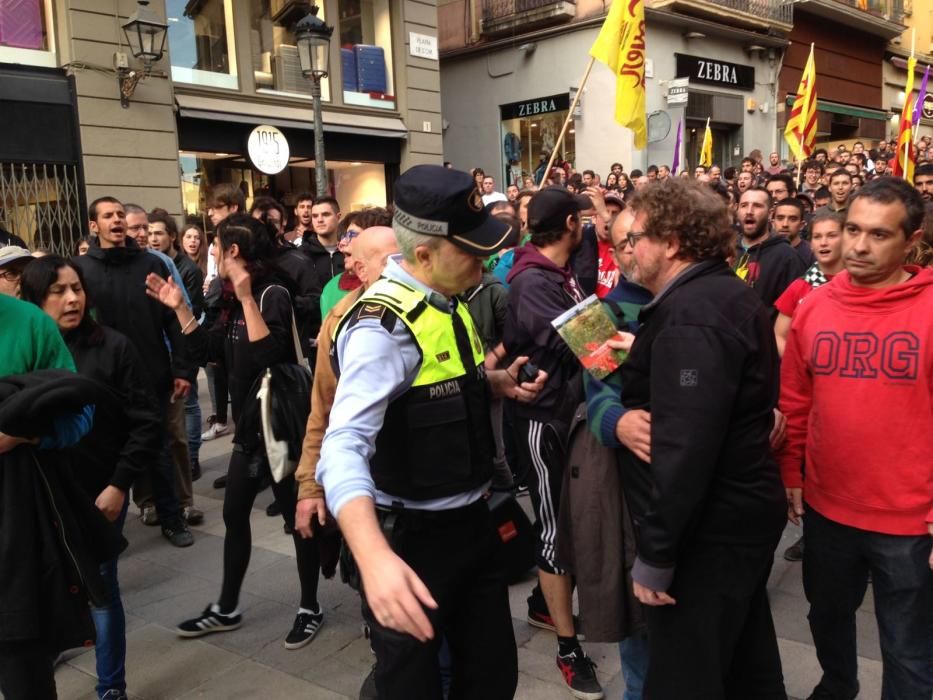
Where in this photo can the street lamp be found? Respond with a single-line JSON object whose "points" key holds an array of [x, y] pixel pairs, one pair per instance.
{"points": [[313, 39], [145, 35]]}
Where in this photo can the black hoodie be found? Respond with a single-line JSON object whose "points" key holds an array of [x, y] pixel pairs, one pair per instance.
{"points": [[539, 292], [116, 287], [769, 267]]}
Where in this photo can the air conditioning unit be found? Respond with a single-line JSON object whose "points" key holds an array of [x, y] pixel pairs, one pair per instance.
{"points": [[288, 77], [286, 12]]}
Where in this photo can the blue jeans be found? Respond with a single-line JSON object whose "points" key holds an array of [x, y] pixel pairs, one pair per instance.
{"points": [[110, 623], [836, 564], [633, 653], [193, 421]]}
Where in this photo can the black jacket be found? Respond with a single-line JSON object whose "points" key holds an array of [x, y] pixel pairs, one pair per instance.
{"points": [[194, 281], [585, 260], [772, 265], [246, 360], [539, 292], [116, 287], [52, 538], [122, 442], [705, 365], [308, 287], [326, 264]]}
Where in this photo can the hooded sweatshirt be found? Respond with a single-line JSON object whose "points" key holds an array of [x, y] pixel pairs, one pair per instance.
{"points": [[539, 292], [769, 267], [857, 390]]}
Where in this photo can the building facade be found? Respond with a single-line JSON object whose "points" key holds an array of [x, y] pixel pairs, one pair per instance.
{"points": [[509, 71], [851, 40], [229, 66], [918, 20]]}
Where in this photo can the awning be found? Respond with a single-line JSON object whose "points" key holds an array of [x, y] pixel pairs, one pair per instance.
{"points": [[848, 110], [289, 117]]}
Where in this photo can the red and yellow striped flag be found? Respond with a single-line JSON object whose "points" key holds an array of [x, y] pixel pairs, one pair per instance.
{"points": [[800, 133], [904, 161]]}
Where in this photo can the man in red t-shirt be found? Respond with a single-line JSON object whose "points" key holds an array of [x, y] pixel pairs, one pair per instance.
{"points": [[607, 272], [826, 244]]}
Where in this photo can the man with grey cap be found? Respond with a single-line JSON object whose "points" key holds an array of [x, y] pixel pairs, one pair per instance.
{"points": [[407, 457], [13, 260]]}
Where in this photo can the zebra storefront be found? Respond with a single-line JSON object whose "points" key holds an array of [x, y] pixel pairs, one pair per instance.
{"points": [[528, 133], [41, 180]]}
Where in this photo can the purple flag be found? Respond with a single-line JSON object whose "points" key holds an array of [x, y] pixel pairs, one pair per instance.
{"points": [[675, 163], [918, 108]]}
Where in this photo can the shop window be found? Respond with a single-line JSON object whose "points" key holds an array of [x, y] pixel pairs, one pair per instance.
{"points": [[529, 131], [25, 33], [200, 37], [276, 67], [365, 33]]}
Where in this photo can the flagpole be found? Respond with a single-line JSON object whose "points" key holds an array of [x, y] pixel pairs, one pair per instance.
{"points": [[573, 106], [908, 145]]}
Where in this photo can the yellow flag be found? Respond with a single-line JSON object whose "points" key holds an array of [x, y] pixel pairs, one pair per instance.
{"points": [[621, 46], [904, 161], [706, 150]]}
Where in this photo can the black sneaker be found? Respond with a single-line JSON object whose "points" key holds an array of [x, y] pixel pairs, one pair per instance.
{"points": [[579, 673], [273, 509], [542, 620], [305, 628], [195, 469], [176, 531], [220, 482], [208, 622], [795, 551]]}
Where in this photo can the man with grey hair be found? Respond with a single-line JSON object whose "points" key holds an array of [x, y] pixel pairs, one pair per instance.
{"points": [[408, 453]]}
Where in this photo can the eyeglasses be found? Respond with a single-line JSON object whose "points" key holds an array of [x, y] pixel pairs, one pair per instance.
{"points": [[11, 275], [633, 238]]}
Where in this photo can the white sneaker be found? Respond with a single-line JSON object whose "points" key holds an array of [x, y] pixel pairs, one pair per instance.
{"points": [[215, 430]]}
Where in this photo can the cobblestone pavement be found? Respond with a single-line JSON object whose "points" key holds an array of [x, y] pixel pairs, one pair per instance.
{"points": [[163, 585]]}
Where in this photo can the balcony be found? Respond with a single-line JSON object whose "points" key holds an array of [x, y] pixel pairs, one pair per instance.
{"points": [[759, 15], [503, 17], [883, 18]]}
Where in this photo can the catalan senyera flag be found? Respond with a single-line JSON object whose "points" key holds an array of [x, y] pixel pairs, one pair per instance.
{"points": [[904, 153], [706, 150], [800, 132], [621, 46]]}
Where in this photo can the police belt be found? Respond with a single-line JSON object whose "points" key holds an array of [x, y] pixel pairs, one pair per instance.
{"points": [[415, 516]]}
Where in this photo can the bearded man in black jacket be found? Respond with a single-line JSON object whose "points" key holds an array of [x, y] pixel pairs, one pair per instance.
{"points": [[708, 507], [115, 271]]}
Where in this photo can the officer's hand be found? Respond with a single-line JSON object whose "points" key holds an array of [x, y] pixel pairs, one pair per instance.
{"points": [[794, 505], [306, 509], [396, 595]]}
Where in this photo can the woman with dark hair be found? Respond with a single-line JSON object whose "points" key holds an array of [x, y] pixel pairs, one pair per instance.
{"points": [[625, 185], [255, 333], [194, 245], [612, 182], [120, 444]]}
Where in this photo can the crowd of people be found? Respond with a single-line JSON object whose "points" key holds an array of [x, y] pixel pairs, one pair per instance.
{"points": [[776, 328]]}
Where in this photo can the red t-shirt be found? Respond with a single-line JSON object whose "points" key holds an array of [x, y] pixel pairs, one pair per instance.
{"points": [[794, 294], [606, 276]]}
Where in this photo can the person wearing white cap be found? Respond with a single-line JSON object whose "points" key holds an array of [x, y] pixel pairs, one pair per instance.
{"points": [[13, 261]]}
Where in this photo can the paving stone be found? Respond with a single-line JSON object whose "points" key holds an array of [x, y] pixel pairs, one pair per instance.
{"points": [[251, 680]]}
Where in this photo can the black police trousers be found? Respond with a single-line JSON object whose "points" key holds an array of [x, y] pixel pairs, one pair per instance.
{"points": [[458, 556]]}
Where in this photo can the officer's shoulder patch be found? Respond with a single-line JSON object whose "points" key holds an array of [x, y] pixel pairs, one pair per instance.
{"points": [[367, 310]]}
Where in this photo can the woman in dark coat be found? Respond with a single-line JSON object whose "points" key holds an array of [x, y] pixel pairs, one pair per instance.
{"points": [[120, 445]]}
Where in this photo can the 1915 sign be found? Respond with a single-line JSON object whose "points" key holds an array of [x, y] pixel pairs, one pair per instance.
{"points": [[712, 71]]}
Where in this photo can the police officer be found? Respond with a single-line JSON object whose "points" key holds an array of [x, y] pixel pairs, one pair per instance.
{"points": [[407, 457]]}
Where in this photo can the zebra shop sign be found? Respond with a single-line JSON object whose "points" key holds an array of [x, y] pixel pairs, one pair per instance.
{"points": [[711, 71]]}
